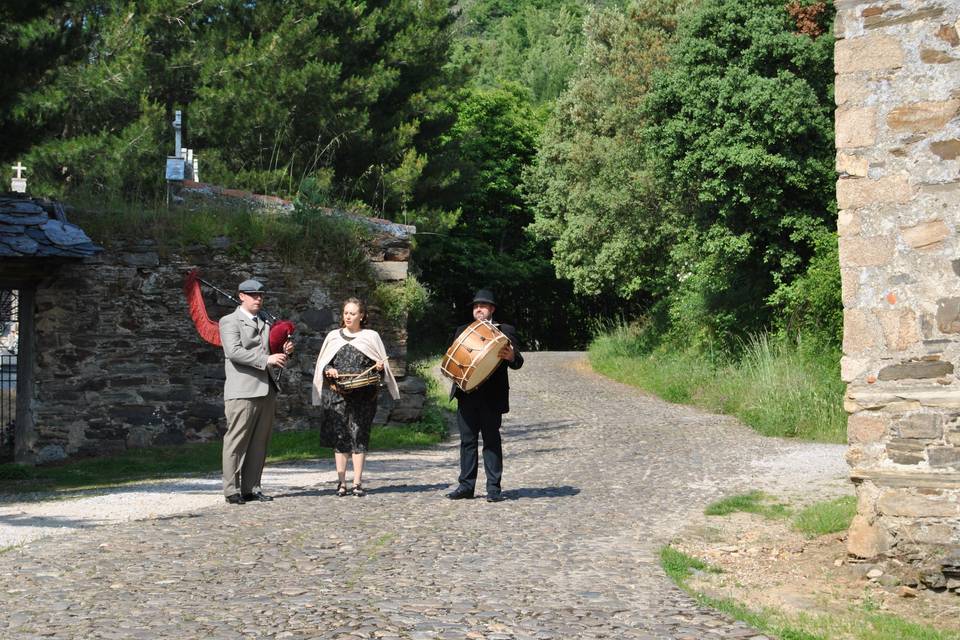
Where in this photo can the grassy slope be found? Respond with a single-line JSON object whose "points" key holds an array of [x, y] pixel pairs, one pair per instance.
{"points": [[778, 387]]}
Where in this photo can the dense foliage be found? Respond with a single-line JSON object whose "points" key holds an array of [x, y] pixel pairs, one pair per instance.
{"points": [[272, 93], [590, 186], [741, 140], [535, 43], [491, 143], [691, 170], [584, 158]]}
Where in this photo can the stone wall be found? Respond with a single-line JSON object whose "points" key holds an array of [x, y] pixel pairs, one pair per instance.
{"points": [[119, 364], [898, 159]]}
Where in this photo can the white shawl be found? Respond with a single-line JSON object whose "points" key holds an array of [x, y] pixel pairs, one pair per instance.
{"points": [[366, 342]]}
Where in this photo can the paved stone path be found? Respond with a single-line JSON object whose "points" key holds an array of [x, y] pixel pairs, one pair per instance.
{"points": [[597, 475]]}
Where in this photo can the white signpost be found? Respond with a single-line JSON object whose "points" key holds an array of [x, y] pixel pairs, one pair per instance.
{"points": [[18, 183]]}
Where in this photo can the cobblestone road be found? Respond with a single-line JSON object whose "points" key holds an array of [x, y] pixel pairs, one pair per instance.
{"points": [[597, 477]]}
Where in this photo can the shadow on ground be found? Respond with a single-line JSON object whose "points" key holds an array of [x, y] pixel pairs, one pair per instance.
{"points": [[529, 493]]}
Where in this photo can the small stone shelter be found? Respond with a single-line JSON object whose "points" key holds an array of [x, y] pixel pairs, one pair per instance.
{"points": [[36, 242]]}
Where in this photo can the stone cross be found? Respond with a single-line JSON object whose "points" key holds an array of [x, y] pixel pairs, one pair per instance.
{"points": [[18, 183]]}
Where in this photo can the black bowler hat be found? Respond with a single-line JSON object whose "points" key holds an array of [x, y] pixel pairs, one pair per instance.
{"points": [[484, 295]]}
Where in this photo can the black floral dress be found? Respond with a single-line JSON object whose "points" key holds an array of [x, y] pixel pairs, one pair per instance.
{"points": [[350, 415]]}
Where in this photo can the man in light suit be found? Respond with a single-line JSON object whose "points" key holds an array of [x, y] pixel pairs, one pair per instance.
{"points": [[249, 394]]}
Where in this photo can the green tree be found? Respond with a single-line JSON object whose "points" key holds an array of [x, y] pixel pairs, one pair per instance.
{"points": [[353, 95], [590, 186], [741, 139], [811, 304], [322, 85], [35, 37], [536, 44], [492, 142], [100, 117]]}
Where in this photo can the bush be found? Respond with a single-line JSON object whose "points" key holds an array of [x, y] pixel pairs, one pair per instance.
{"points": [[740, 137], [812, 304], [407, 299]]}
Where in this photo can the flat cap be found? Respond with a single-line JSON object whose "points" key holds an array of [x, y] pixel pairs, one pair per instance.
{"points": [[252, 286]]}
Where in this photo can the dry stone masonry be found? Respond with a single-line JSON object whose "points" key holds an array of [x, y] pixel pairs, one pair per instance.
{"points": [[898, 159], [119, 364]]}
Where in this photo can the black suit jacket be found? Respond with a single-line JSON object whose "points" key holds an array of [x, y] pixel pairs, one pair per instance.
{"points": [[495, 391]]}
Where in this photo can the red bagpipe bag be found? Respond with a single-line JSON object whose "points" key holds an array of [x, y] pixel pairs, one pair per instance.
{"points": [[280, 330]]}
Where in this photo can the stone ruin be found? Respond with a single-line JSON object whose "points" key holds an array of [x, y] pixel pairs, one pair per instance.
{"points": [[109, 358], [898, 194]]}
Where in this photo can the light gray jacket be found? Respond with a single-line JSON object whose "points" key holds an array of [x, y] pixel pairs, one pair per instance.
{"points": [[246, 350]]}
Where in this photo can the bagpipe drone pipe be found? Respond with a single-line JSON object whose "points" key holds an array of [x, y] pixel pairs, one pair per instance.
{"points": [[280, 330]]}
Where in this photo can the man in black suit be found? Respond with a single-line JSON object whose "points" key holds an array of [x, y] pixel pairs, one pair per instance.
{"points": [[480, 412]]}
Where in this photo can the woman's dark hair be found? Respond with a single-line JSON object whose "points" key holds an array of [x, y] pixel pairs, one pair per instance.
{"points": [[362, 307]]}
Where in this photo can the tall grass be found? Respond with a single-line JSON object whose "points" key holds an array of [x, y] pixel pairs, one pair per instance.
{"points": [[311, 237], [778, 386], [826, 517]]}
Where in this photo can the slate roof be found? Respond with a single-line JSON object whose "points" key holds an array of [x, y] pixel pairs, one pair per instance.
{"points": [[33, 228]]}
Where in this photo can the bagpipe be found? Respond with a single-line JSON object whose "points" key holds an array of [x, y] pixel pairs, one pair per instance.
{"points": [[280, 330]]}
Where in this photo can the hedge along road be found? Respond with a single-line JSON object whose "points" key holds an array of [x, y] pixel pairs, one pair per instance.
{"points": [[597, 477]]}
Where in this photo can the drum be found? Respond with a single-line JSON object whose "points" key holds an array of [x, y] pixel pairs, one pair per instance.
{"points": [[473, 356]]}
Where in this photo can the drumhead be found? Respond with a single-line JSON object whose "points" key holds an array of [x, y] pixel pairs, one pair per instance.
{"points": [[485, 365]]}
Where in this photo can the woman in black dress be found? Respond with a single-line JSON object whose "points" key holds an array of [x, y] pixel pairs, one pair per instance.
{"points": [[351, 349]]}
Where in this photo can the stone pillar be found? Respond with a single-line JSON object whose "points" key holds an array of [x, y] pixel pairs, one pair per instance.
{"points": [[898, 194]]}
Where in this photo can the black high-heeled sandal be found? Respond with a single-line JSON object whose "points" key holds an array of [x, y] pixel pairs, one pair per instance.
{"points": [[358, 491], [341, 489]]}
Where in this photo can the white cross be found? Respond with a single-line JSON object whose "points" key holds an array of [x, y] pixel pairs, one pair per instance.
{"points": [[18, 168]]}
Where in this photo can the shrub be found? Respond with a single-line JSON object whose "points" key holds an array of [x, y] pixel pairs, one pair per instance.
{"points": [[812, 304], [407, 299]]}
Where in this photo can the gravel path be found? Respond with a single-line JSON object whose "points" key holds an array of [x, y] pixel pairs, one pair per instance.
{"points": [[597, 477]]}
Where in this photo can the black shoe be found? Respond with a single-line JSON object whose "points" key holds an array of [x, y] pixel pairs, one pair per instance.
{"points": [[235, 498], [460, 493], [495, 497], [257, 496]]}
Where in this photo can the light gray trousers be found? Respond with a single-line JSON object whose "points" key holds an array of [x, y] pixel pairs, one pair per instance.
{"points": [[249, 424]]}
